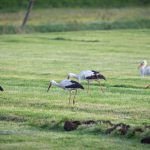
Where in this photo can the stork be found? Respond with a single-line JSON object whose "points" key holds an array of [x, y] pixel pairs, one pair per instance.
{"points": [[1, 89], [69, 85], [144, 69], [88, 75]]}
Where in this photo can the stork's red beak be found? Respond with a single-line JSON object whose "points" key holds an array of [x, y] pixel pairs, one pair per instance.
{"points": [[49, 87]]}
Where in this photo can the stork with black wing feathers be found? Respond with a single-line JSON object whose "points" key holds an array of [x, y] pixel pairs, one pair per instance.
{"points": [[88, 75], [69, 85]]}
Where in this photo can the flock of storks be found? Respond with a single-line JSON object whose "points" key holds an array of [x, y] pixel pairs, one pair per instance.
{"points": [[71, 85], [89, 76]]}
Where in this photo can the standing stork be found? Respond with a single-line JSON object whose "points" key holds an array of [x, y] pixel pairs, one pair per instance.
{"points": [[144, 69], [1, 89], [69, 85], [88, 75]]}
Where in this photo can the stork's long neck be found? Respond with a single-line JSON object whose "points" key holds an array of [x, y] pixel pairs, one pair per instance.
{"points": [[75, 76], [142, 70], [143, 66], [56, 84], [79, 77]]}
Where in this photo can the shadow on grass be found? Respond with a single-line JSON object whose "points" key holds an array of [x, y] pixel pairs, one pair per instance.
{"points": [[136, 24], [13, 118], [74, 40], [127, 86], [120, 86]]}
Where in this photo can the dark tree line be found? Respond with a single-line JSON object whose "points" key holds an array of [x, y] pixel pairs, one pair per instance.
{"points": [[21, 4]]}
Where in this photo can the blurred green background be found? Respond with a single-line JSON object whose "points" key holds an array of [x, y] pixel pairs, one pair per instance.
{"points": [[10, 4], [74, 15]]}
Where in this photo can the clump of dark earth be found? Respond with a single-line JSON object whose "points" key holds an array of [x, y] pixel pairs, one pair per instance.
{"points": [[139, 129], [71, 125], [12, 118], [146, 140], [121, 128], [89, 122]]}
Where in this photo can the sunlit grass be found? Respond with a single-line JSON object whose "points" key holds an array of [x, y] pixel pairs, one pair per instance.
{"points": [[29, 61]]}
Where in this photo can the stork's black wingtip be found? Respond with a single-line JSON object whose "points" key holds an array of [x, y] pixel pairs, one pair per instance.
{"points": [[81, 87], [1, 89], [104, 78]]}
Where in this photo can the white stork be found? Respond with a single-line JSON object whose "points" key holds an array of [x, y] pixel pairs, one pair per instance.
{"points": [[69, 85], [144, 69], [88, 75]]}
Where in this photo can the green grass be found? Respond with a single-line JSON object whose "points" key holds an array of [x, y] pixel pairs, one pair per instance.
{"points": [[29, 115], [75, 15], [73, 19]]}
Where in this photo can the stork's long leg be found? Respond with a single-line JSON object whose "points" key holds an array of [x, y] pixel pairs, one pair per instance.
{"points": [[74, 97], [100, 85], [88, 86], [69, 97]]}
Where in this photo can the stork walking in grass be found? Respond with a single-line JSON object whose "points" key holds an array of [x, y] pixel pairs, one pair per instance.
{"points": [[69, 85], [144, 69], [88, 75]]}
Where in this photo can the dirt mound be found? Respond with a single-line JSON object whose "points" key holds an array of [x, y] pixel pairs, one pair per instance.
{"points": [[146, 140]]}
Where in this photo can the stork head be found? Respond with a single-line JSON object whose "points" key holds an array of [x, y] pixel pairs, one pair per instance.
{"points": [[142, 64], [52, 82]]}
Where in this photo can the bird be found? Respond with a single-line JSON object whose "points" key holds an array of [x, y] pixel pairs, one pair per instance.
{"points": [[144, 69], [66, 84], [1, 89], [88, 75]]}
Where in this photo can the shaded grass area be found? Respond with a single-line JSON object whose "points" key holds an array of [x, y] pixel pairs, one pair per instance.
{"points": [[139, 24], [31, 118]]}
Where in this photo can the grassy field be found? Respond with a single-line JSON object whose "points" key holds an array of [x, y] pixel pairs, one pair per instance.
{"points": [[75, 15], [61, 19], [28, 113]]}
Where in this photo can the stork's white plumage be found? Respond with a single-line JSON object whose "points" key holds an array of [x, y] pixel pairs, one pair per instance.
{"points": [[69, 85], [144, 69], [88, 75]]}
